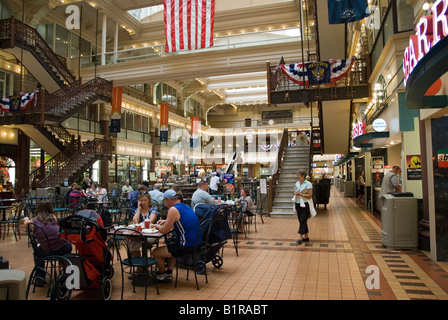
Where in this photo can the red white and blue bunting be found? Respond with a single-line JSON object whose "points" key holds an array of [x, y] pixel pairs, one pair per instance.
{"points": [[268, 147], [18, 103], [324, 72]]}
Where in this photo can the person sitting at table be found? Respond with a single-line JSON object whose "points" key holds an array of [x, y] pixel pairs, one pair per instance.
{"points": [[250, 208], [67, 194], [145, 211], [101, 193], [156, 194], [201, 195], [126, 189], [92, 191], [44, 217], [133, 198], [185, 223], [75, 195]]}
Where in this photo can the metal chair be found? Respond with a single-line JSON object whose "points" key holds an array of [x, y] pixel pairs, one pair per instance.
{"points": [[56, 275], [134, 243], [17, 213], [235, 220]]}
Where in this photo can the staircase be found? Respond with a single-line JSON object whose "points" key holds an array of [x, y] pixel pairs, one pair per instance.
{"points": [[294, 158], [37, 56], [60, 97]]}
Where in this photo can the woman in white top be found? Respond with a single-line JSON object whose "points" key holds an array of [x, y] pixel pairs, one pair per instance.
{"points": [[91, 192], [101, 193], [303, 190]]}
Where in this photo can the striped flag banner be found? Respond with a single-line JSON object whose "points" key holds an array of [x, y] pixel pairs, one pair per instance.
{"points": [[188, 24]]}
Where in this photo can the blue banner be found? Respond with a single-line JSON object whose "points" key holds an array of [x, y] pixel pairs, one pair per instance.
{"points": [[318, 72], [344, 11]]}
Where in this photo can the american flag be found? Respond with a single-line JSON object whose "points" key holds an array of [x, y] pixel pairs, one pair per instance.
{"points": [[188, 24]]}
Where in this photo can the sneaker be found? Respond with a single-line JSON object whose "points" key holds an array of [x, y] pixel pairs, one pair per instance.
{"points": [[299, 241], [166, 276], [305, 239]]}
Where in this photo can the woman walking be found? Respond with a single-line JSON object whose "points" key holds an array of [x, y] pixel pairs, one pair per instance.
{"points": [[303, 190], [361, 186]]}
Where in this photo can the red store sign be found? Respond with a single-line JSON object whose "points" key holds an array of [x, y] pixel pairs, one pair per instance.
{"points": [[359, 129], [429, 30]]}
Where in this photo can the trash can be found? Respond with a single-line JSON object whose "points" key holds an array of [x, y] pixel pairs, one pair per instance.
{"points": [[349, 189], [321, 194], [399, 221]]}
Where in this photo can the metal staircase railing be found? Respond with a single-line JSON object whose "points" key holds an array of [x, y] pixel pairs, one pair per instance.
{"points": [[15, 33], [277, 167], [67, 166]]}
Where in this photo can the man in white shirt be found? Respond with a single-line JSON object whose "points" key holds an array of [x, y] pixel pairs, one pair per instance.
{"points": [[126, 188], [156, 194], [214, 181]]}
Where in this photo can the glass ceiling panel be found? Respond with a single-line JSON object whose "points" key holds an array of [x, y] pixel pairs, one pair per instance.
{"points": [[143, 13]]}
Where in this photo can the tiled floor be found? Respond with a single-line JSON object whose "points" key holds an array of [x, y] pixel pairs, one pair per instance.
{"points": [[345, 241]]}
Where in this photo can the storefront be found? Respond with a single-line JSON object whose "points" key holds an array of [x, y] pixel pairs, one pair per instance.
{"points": [[425, 65]]}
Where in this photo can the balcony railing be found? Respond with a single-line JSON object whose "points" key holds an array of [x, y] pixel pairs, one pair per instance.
{"points": [[248, 39]]}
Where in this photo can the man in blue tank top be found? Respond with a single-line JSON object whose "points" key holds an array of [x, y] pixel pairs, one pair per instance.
{"points": [[185, 223]]}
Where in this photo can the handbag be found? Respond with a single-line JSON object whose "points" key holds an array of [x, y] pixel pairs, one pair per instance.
{"points": [[313, 212]]}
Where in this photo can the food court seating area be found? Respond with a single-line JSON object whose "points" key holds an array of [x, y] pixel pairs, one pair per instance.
{"points": [[344, 240]]}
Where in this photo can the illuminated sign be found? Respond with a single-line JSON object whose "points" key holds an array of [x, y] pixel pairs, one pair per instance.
{"points": [[379, 125], [429, 31], [359, 129]]}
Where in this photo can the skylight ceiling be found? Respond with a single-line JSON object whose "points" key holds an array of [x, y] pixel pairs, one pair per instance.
{"points": [[142, 13]]}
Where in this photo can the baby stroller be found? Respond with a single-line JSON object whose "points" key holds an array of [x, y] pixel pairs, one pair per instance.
{"points": [[215, 232], [85, 230]]}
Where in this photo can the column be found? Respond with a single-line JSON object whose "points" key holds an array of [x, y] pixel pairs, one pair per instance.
{"points": [[104, 164], [103, 40], [115, 42]]}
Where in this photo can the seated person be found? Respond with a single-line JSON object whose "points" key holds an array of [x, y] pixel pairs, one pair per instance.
{"points": [[201, 195], [250, 208], [101, 193], [133, 198], [91, 192], [75, 195], [144, 210], [185, 223], [44, 217], [156, 194], [126, 189]]}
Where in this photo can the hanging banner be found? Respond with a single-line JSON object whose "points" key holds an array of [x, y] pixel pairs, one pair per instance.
{"points": [[343, 11], [117, 94], [319, 72], [194, 132], [18, 103], [115, 118], [164, 116]]}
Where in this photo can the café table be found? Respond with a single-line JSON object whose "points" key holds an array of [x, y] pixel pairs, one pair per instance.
{"points": [[153, 236], [6, 204]]}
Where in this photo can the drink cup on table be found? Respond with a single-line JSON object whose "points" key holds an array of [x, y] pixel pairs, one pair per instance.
{"points": [[147, 223], [138, 227]]}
